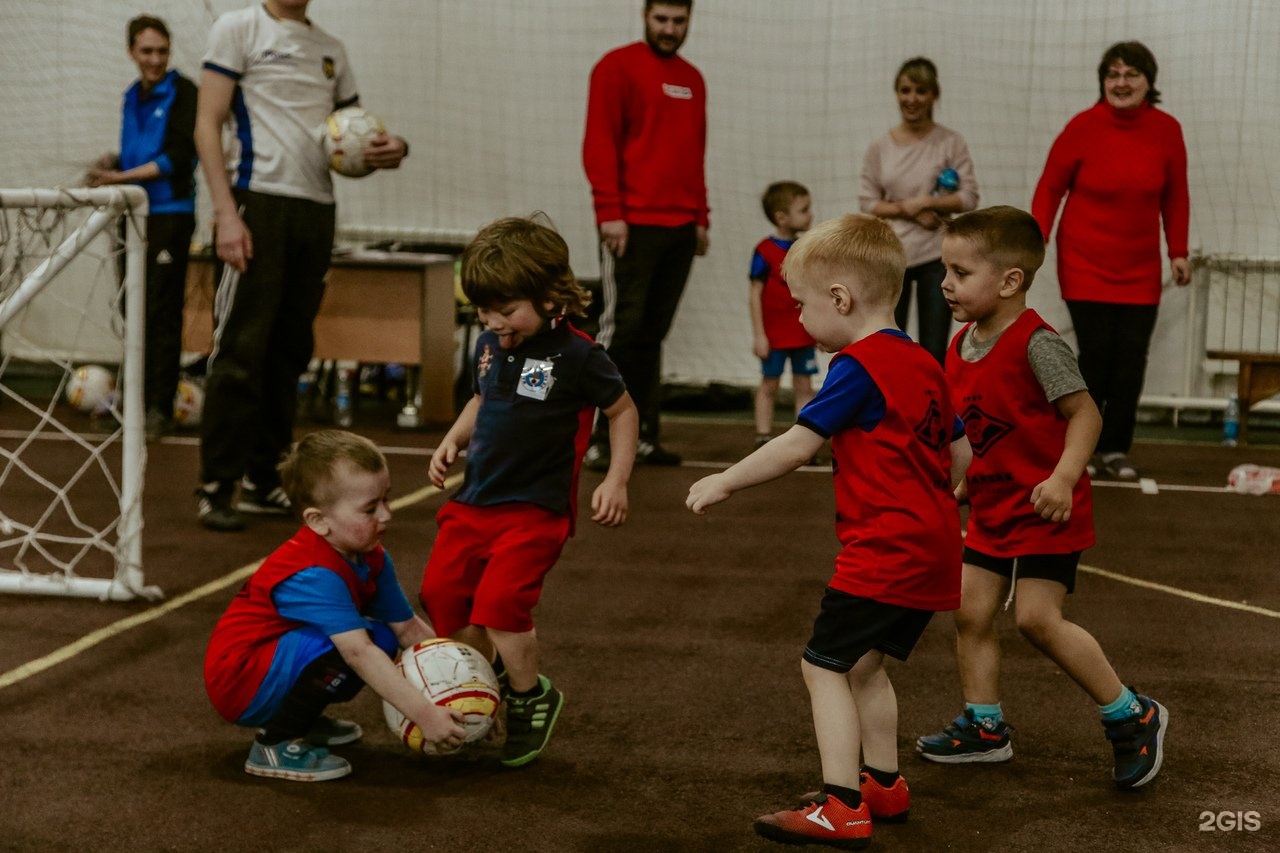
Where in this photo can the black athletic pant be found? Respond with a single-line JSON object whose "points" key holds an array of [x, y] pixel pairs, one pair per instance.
{"points": [[263, 338], [1113, 341], [933, 317], [325, 680], [168, 247], [642, 290]]}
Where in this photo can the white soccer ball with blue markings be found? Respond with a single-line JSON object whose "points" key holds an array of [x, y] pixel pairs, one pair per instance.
{"points": [[346, 133]]}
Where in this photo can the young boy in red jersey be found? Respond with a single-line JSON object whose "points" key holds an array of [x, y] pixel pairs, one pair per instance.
{"points": [[320, 618], [894, 436], [1032, 425], [778, 336], [538, 383]]}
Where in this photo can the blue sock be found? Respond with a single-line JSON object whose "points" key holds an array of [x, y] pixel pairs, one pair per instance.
{"points": [[987, 716], [1126, 705]]}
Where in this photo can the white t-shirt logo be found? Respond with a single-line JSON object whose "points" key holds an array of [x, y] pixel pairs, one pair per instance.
{"points": [[671, 90]]}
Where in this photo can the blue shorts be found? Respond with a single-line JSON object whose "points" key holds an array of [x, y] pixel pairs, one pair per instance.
{"points": [[804, 362]]}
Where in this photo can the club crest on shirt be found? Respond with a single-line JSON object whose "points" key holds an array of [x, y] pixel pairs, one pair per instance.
{"points": [[328, 66], [931, 430], [983, 430], [485, 362], [536, 379]]}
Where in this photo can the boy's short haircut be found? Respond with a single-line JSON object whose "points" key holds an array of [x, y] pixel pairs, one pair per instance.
{"points": [[307, 471], [858, 244], [520, 258], [146, 22], [779, 196], [1009, 237]]}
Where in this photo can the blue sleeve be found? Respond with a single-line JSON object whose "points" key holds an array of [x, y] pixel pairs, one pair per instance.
{"points": [[849, 398], [319, 598], [957, 430], [389, 601], [759, 267]]}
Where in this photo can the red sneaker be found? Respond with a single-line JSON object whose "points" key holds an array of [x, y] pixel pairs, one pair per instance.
{"points": [[823, 820], [887, 804]]}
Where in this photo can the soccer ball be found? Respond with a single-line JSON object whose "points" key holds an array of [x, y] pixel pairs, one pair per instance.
{"points": [[452, 675], [346, 133], [91, 388], [188, 403]]}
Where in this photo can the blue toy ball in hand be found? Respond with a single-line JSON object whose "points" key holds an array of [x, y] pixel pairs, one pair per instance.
{"points": [[948, 182]]}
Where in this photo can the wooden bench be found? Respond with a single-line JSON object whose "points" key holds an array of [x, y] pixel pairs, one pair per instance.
{"points": [[1259, 379]]}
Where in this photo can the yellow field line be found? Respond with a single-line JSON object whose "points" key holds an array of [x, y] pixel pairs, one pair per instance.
{"points": [[115, 629], [1173, 590]]}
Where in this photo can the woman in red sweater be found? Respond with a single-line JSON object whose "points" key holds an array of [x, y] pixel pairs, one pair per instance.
{"points": [[1122, 165]]}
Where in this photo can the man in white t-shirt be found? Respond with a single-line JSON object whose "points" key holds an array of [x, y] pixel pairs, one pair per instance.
{"points": [[273, 77]]}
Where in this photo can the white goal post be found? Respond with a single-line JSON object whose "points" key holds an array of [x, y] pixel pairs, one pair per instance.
{"points": [[65, 300]]}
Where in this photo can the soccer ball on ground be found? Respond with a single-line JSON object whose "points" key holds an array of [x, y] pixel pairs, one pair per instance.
{"points": [[452, 675], [188, 403], [346, 133], [91, 388]]}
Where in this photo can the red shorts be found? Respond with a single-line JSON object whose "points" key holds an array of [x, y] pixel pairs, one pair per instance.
{"points": [[488, 563]]}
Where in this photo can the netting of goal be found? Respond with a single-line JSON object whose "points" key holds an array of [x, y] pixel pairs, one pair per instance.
{"points": [[72, 293]]}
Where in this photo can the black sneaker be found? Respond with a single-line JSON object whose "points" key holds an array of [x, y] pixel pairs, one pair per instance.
{"points": [[652, 453], [158, 424], [263, 501], [529, 723], [597, 458], [1138, 742], [213, 507], [966, 741]]}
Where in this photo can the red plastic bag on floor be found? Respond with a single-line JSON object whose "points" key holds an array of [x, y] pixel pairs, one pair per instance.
{"points": [[1254, 480]]}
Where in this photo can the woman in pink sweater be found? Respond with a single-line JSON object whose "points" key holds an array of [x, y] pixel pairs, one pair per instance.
{"points": [[1122, 165]]}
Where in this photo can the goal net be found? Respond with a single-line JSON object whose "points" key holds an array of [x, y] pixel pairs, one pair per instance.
{"points": [[72, 291]]}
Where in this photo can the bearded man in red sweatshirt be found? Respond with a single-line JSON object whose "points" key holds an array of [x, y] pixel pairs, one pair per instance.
{"points": [[643, 152]]}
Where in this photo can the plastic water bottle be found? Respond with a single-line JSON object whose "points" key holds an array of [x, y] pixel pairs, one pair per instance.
{"points": [[1231, 422], [342, 398]]}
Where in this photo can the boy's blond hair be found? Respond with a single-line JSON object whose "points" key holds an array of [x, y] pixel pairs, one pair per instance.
{"points": [[307, 472], [1008, 237], [778, 197], [520, 258], [854, 246]]}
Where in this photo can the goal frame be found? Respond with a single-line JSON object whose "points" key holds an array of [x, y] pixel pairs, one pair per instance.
{"points": [[110, 204]]}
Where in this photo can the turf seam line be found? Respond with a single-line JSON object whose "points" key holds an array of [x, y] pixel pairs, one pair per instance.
{"points": [[119, 627]]}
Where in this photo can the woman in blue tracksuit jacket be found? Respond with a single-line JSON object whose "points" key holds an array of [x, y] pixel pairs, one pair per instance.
{"points": [[157, 152]]}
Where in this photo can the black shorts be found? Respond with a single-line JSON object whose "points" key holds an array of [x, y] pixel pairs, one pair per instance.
{"points": [[1050, 567], [849, 626]]}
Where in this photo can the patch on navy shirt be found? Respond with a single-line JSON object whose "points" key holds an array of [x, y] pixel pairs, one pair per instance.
{"points": [[536, 379]]}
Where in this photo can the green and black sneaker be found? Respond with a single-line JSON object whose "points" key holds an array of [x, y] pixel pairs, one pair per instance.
{"points": [[530, 720]]}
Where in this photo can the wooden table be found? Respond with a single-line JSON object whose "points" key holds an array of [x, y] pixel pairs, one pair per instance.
{"points": [[379, 307], [1259, 379]]}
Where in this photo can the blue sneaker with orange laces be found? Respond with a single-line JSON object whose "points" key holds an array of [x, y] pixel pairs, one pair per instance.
{"points": [[967, 741]]}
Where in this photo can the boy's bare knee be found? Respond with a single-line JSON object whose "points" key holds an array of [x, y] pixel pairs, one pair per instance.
{"points": [[1036, 626]]}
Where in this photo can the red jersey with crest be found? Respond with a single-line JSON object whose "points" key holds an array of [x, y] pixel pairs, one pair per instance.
{"points": [[778, 308], [244, 640], [1017, 436], [896, 515]]}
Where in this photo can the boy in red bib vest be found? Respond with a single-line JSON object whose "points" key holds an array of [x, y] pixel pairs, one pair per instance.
{"points": [[1032, 425], [885, 408], [320, 618]]}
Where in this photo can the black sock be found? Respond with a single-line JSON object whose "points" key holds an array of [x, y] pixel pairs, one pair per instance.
{"points": [[848, 796], [535, 690], [885, 778]]}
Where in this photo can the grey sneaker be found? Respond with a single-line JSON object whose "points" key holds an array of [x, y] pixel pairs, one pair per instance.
{"points": [[295, 760], [597, 458], [330, 731], [262, 501], [213, 507]]}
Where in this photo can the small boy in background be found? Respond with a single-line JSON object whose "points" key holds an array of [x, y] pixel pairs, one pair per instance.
{"points": [[1033, 425], [894, 438], [778, 336], [320, 618], [537, 383]]}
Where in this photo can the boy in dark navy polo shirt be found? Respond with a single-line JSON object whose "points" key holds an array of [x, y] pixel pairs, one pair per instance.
{"points": [[538, 383], [894, 437]]}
